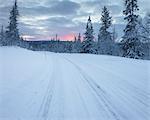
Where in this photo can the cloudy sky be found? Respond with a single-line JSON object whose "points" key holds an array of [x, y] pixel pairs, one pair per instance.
{"points": [[43, 19]]}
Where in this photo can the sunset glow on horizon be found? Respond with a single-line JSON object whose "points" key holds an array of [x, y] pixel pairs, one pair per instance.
{"points": [[69, 37]]}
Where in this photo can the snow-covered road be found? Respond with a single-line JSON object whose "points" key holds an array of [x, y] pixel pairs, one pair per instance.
{"points": [[50, 86]]}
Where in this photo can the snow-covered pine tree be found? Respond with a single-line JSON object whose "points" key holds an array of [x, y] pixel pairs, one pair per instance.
{"points": [[78, 47], [148, 20], [147, 26], [88, 44], [131, 44], [148, 36], [143, 29], [79, 38], [12, 33], [75, 39], [2, 36], [74, 45], [77, 44], [105, 42], [145, 35]]}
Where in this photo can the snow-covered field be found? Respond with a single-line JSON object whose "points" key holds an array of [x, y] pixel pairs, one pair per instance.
{"points": [[50, 86]]}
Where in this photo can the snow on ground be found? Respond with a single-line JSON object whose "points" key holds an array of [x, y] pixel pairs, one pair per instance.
{"points": [[51, 86]]}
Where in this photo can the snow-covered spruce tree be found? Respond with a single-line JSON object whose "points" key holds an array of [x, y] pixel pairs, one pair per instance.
{"points": [[147, 44], [105, 42], [147, 27], [2, 37], [144, 31], [75, 39], [148, 20], [79, 38], [74, 45], [141, 30], [88, 44], [12, 33], [131, 44], [77, 44]]}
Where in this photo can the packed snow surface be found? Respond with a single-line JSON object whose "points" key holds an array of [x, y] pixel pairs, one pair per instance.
{"points": [[52, 86]]}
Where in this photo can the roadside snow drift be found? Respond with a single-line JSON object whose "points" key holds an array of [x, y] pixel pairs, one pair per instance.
{"points": [[50, 86]]}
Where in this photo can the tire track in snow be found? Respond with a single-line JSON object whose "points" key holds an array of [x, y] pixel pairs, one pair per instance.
{"points": [[46, 102], [97, 90], [142, 93], [31, 102], [82, 99], [124, 92]]}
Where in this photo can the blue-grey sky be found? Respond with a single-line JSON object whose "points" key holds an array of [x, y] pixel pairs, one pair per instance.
{"points": [[42, 19]]}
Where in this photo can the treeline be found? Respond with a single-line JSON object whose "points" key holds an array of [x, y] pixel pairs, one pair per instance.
{"points": [[135, 42]]}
